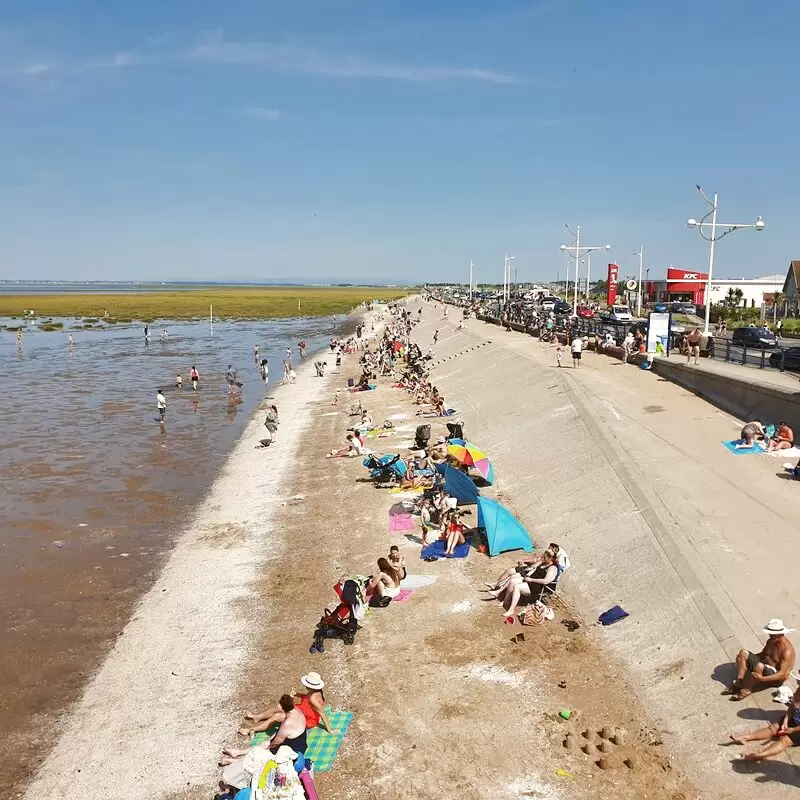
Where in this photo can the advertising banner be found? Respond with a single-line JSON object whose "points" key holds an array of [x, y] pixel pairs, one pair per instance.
{"points": [[658, 327], [613, 277]]}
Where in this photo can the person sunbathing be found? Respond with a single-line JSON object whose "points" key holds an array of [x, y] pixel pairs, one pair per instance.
{"points": [[354, 447], [439, 407], [751, 432], [783, 438], [386, 584], [455, 533], [530, 585], [311, 705], [292, 733], [779, 735], [398, 561], [524, 565]]}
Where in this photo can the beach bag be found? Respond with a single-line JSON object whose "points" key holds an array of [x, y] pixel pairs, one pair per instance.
{"points": [[534, 614]]}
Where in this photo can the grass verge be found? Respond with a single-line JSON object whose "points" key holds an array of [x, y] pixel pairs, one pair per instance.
{"points": [[238, 303]]}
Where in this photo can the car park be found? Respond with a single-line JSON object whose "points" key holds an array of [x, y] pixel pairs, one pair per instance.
{"points": [[751, 336]]}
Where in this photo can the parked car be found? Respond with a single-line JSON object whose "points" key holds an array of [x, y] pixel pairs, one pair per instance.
{"points": [[687, 308], [751, 336], [618, 314], [585, 312], [660, 308], [562, 308], [549, 303], [790, 357]]}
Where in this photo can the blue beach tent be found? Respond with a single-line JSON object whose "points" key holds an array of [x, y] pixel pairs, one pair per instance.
{"points": [[459, 485], [503, 531]]}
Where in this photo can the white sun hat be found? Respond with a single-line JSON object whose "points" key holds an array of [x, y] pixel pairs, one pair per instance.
{"points": [[313, 681], [775, 627]]}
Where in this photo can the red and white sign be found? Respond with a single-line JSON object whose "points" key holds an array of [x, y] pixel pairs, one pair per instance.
{"points": [[613, 279], [678, 283]]}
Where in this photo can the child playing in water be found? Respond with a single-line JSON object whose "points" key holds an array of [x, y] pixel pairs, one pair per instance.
{"points": [[178, 382], [398, 561]]}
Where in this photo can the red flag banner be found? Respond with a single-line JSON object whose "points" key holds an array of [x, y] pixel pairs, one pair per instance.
{"points": [[613, 278]]}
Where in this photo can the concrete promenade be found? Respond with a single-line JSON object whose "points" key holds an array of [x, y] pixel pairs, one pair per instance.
{"points": [[628, 472]]}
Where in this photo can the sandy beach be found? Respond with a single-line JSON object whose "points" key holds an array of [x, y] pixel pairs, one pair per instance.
{"points": [[447, 700]]}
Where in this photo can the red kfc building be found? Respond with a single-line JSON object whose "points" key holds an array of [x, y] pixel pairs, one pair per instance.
{"points": [[681, 285]]}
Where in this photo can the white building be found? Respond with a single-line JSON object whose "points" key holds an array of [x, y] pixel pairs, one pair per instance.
{"points": [[753, 290]]}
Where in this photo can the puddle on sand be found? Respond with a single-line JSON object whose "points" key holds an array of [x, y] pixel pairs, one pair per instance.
{"points": [[94, 490]]}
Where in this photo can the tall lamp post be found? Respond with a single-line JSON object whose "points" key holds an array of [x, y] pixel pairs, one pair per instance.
{"points": [[639, 253], [507, 261], [713, 238], [576, 251]]}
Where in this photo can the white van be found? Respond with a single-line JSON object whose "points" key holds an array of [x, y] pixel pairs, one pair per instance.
{"points": [[618, 314]]}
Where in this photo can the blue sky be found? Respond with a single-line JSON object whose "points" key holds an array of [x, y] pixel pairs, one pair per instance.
{"points": [[390, 139]]}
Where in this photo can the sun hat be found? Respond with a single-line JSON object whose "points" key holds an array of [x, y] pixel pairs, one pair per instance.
{"points": [[775, 627], [312, 681]]}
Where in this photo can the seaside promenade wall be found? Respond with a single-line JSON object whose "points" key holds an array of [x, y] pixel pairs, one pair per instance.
{"points": [[738, 395], [734, 391]]}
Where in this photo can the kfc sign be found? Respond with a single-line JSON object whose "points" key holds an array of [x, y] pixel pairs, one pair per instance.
{"points": [[613, 279], [674, 275]]}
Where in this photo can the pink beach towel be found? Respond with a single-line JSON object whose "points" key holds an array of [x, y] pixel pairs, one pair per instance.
{"points": [[403, 594], [398, 523]]}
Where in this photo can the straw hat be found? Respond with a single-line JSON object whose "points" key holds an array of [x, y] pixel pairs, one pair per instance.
{"points": [[313, 681], [775, 627]]}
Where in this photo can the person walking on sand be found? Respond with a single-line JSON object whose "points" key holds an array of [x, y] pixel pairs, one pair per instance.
{"points": [[194, 377], [436, 336], [271, 422], [161, 405], [577, 348], [559, 352]]}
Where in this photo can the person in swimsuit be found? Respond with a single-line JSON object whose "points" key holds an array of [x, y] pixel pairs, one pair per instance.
{"points": [[529, 585], [292, 733], [779, 735], [311, 704], [386, 583], [455, 534], [783, 438], [194, 377], [398, 561], [750, 433]]}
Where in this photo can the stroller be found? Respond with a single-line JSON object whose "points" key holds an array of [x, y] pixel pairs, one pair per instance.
{"points": [[341, 622], [385, 469], [421, 437], [455, 430]]}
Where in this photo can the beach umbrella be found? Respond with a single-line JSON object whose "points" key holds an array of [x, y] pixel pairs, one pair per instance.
{"points": [[503, 530], [458, 485], [472, 456]]}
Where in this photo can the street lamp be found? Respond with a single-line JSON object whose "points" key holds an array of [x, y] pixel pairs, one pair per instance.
{"points": [[759, 225], [576, 251], [507, 277], [639, 253]]}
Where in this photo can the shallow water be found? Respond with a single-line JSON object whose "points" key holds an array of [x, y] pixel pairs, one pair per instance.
{"points": [[94, 489]]}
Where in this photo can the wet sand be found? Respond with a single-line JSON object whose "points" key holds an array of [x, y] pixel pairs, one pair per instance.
{"points": [[95, 491]]}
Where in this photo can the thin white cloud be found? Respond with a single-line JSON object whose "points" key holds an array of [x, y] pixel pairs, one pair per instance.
{"points": [[263, 114], [213, 48], [297, 59], [35, 69]]}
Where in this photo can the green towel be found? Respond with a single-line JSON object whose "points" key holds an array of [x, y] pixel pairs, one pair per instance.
{"points": [[322, 747]]}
